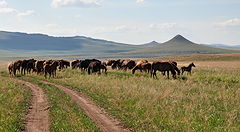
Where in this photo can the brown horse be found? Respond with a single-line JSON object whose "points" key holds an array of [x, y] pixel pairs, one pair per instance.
{"points": [[188, 68], [39, 66], [142, 66], [12, 69], [174, 64], [18, 64], [93, 67], [162, 66], [74, 63], [50, 69], [104, 68], [128, 64]]}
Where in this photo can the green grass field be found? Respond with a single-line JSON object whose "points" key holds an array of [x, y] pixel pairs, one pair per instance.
{"points": [[206, 101], [65, 115], [14, 100]]}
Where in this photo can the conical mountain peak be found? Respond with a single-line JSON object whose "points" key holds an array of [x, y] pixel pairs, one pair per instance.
{"points": [[179, 39]]}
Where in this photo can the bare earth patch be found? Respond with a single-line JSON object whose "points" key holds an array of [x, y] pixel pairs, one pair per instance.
{"points": [[37, 119], [98, 115]]}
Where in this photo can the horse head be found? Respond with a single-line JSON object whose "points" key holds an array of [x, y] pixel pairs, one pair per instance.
{"points": [[193, 64]]}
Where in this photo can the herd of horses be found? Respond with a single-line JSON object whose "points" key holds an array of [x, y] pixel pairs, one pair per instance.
{"points": [[50, 67]]}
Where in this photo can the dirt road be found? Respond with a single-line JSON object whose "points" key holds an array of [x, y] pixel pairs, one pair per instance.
{"points": [[37, 119], [105, 122]]}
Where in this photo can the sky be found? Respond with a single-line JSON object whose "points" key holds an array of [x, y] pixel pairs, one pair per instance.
{"points": [[126, 21]]}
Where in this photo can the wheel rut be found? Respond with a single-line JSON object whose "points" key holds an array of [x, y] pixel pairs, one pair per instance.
{"points": [[105, 122], [37, 118]]}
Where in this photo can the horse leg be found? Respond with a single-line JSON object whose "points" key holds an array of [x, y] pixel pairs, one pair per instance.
{"points": [[167, 74]]}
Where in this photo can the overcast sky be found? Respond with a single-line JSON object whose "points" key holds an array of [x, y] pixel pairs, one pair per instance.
{"points": [[128, 21]]}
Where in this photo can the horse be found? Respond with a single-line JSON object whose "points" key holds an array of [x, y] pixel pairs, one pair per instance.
{"points": [[188, 68], [50, 69], [94, 66], [39, 66], [63, 64], [108, 62], [174, 64], [142, 66], [162, 66], [128, 64], [74, 63], [12, 69]]}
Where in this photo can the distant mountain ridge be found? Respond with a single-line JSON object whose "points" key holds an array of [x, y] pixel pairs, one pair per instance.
{"points": [[176, 46], [236, 47], [16, 43]]}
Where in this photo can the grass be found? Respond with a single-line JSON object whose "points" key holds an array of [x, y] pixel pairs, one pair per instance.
{"points": [[206, 101], [14, 99], [64, 113]]}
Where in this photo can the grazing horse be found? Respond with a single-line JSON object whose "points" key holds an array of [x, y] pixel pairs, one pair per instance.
{"points": [[18, 64], [104, 68], [128, 64], [74, 63], [39, 66], [50, 69], [12, 69], [188, 68], [63, 64], [142, 66], [162, 66], [94, 66], [108, 62], [85, 63]]}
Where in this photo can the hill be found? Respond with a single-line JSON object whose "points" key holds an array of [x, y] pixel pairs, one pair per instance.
{"points": [[177, 46], [22, 44], [16, 43], [225, 46]]}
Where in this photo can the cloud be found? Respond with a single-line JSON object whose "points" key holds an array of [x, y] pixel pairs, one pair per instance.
{"points": [[25, 13], [75, 3], [7, 10], [139, 1], [229, 23], [162, 25], [3, 3]]}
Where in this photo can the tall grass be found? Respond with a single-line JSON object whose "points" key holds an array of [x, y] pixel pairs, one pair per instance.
{"points": [[206, 101], [14, 100]]}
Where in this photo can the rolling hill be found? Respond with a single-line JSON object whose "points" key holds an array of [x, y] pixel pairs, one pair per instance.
{"points": [[16, 43], [22, 44], [176, 46]]}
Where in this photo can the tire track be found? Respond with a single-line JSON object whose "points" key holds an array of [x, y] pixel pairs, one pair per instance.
{"points": [[37, 118], [105, 122]]}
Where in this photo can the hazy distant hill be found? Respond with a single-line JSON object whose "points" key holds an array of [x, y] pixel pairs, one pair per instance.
{"points": [[176, 46], [233, 47], [22, 43]]}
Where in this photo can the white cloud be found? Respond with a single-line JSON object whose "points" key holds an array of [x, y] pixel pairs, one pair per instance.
{"points": [[3, 3], [75, 3], [7, 10], [25, 13], [162, 25], [139, 1], [229, 23]]}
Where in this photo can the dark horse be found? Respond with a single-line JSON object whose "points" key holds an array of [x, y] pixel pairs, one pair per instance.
{"points": [[162, 66], [188, 68]]}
